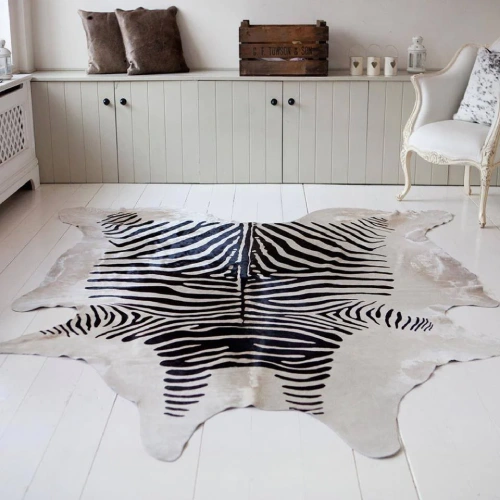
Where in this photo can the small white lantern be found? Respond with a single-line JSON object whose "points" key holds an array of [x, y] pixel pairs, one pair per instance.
{"points": [[5, 62], [416, 56]]}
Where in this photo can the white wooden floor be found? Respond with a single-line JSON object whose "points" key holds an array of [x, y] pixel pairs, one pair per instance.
{"points": [[65, 435]]}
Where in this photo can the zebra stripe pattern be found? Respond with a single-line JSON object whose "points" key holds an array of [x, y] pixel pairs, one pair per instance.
{"points": [[213, 295]]}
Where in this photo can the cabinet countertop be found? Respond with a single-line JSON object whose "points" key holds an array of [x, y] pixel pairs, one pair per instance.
{"points": [[200, 75], [16, 80]]}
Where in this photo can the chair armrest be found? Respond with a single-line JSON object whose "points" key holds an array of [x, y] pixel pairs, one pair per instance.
{"points": [[438, 95], [489, 149]]}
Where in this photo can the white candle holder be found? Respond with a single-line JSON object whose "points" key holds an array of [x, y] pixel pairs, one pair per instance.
{"points": [[356, 66], [391, 63], [356, 62], [373, 63]]}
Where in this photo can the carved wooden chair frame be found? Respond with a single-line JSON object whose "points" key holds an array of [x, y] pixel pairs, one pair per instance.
{"points": [[487, 163]]}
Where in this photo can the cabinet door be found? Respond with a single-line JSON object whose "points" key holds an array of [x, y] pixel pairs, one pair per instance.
{"points": [[324, 132], [75, 131], [349, 133], [157, 131], [313, 132], [240, 132]]}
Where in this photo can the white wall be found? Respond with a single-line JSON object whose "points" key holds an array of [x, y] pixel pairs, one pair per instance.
{"points": [[210, 27]]}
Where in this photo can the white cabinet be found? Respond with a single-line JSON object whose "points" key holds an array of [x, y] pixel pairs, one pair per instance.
{"points": [[207, 131], [344, 132], [18, 163], [157, 131], [316, 125], [75, 131], [172, 131], [240, 132], [217, 128]]}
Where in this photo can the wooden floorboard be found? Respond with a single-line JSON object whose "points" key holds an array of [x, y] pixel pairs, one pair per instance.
{"points": [[64, 434]]}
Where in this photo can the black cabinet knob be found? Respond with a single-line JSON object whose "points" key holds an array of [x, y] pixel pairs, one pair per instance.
{"points": [[291, 101], [274, 102], [106, 102], [123, 101]]}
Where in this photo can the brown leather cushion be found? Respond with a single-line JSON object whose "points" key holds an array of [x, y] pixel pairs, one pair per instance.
{"points": [[104, 42], [152, 41]]}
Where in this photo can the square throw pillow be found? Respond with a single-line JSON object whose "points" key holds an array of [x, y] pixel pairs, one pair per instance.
{"points": [[152, 41], [104, 42], [480, 99]]}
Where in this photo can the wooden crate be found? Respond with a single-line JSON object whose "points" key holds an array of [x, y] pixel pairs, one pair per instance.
{"points": [[284, 50]]}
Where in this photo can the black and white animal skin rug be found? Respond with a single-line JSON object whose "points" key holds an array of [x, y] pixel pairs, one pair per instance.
{"points": [[337, 315]]}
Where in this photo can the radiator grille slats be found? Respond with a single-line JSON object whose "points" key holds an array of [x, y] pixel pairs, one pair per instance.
{"points": [[12, 133]]}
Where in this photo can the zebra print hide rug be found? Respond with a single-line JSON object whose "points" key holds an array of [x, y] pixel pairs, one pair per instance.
{"points": [[337, 315]]}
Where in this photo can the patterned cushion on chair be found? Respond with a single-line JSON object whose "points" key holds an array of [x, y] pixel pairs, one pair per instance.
{"points": [[480, 99]]}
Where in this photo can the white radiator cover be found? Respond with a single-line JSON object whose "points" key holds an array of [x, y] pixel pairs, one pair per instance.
{"points": [[218, 127], [18, 162]]}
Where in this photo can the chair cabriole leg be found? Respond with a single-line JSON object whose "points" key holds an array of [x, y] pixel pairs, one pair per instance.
{"points": [[405, 164], [485, 186], [467, 189]]}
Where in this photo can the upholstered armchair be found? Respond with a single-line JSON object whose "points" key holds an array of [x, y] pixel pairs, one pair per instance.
{"points": [[432, 133]]}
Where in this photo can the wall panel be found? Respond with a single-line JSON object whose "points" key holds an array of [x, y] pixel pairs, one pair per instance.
{"points": [[406, 111], [60, 146], [392, 132], [257, 122], [190, 133], [274, 133], [173, 130], [224, 127], [291, 133], [307, 131], [375, 132], [140, 131], [340, 138], [241, 132], [156, 127], [74, 123], [358, 126], [324, 131], [208, 132], [124, 132], [43, 133], [107, 132]]}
